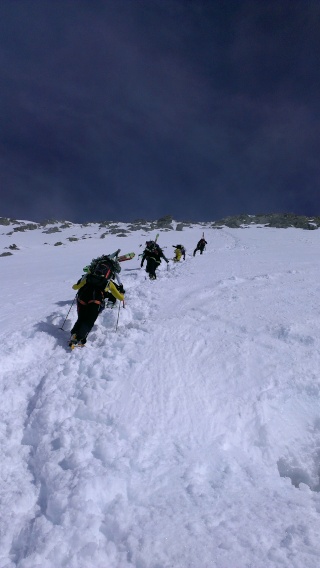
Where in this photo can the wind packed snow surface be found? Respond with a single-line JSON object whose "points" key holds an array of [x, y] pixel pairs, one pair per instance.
{"points": [[187, 438]]}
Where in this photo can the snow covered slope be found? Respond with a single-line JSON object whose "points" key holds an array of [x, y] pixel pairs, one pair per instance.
{"points": [[189, 437]]}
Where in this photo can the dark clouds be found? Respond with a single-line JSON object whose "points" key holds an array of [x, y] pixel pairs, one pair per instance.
{"points": [[123, 109]]}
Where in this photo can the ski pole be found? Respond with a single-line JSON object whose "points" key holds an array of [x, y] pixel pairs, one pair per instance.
{"points": [[68, 313], [118, 316]]}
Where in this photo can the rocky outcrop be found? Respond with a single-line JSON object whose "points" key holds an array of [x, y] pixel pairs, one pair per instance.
{"points": [[278, 220], [166, 223]]}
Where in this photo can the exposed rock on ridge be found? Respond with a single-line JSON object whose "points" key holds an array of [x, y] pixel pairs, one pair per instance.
{"points": [[278, 220]]}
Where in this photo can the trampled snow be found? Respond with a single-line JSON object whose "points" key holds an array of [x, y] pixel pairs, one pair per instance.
{"points": [[188, 437]]}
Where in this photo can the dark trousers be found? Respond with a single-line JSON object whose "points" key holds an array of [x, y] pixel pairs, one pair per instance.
{"points": [[87, 316], [88, 305], [201, 249], [151, 267]]}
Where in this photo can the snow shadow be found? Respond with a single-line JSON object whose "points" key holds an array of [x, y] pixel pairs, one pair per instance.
{"points": [[55, 331], [297, 474], [65, 302]]}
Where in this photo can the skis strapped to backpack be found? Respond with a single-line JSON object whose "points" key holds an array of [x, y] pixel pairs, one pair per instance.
{"points": [[121, 258], [127, 256], [101, 270]]}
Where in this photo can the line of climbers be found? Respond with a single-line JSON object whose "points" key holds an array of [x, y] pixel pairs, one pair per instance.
{"points": [[101, 286]]}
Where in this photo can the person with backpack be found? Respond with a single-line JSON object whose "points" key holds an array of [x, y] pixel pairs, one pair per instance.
{"points": [[100, 283], [200, 246], [179, 252], [153, 254]]}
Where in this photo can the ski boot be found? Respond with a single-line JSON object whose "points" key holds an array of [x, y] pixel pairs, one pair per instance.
{"points": [[75, 342]]}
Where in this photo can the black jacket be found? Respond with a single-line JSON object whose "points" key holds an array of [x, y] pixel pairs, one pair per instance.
{"points": [[154, 252]]}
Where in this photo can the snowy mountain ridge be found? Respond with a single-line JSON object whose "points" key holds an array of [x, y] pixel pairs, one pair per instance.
{"points": [[188, 435], [73, 231]]}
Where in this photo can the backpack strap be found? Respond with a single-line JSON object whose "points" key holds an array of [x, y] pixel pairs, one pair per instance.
{"points": [[90, 302]]}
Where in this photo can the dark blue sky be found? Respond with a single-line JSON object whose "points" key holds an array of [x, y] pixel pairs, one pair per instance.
{"points": [[126, 109]]}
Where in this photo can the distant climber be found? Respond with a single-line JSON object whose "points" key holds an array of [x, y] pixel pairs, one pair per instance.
{"points": [[153, 255], [179, 252], [200, 246]]}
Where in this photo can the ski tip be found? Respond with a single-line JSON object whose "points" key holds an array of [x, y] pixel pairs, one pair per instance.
{"points": [[127, 256]]}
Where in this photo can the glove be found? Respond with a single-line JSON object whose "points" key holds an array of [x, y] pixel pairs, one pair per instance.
{"points": [[121, 289]]}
